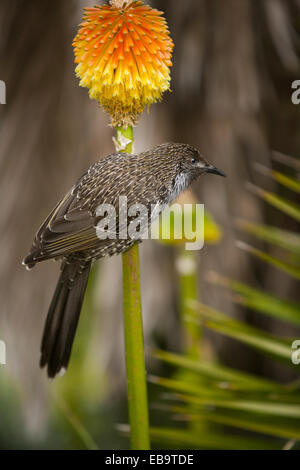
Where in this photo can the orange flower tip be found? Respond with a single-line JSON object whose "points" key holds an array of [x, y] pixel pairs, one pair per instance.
{"points": [[123, 53]]}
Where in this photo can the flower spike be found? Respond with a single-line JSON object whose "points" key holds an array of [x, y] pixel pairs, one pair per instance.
{"points": [[123, 51]]}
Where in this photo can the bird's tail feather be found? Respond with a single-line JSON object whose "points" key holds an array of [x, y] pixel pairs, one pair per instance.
{"points": [[63, 316]]}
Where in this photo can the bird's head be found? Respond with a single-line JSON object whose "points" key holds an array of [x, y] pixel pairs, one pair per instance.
{"points": [[187, 160], [193, 163], [176, 166]]}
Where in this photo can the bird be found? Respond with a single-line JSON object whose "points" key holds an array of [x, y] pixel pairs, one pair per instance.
{"points": [[70, 233]]}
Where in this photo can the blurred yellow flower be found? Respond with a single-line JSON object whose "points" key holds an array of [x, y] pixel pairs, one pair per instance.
{"points": [[124, 52]]}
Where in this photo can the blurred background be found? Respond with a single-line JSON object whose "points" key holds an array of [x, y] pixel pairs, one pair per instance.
{"points": [[234, 64]]}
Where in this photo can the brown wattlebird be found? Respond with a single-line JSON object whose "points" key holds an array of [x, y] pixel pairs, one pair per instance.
{"points": [[153, 178]]}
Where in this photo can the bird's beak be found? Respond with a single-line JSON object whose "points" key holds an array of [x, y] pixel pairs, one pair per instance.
{"points": [[215, 171]]}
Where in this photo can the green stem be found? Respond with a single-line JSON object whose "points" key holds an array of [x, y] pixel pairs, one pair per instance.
{"points": [[188, 290], [187, 271], [133, 328]]}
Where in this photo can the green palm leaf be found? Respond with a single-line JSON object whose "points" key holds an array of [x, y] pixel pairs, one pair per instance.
{"points": [[282, 238], [260, 301], [284, 205], [290, 269]]}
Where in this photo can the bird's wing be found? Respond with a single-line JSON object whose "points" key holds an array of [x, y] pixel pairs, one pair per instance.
{"points": [[70, 226], [66, 230]]}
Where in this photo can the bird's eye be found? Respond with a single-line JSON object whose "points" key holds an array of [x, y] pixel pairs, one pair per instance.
{"points": [[193, 160]]}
